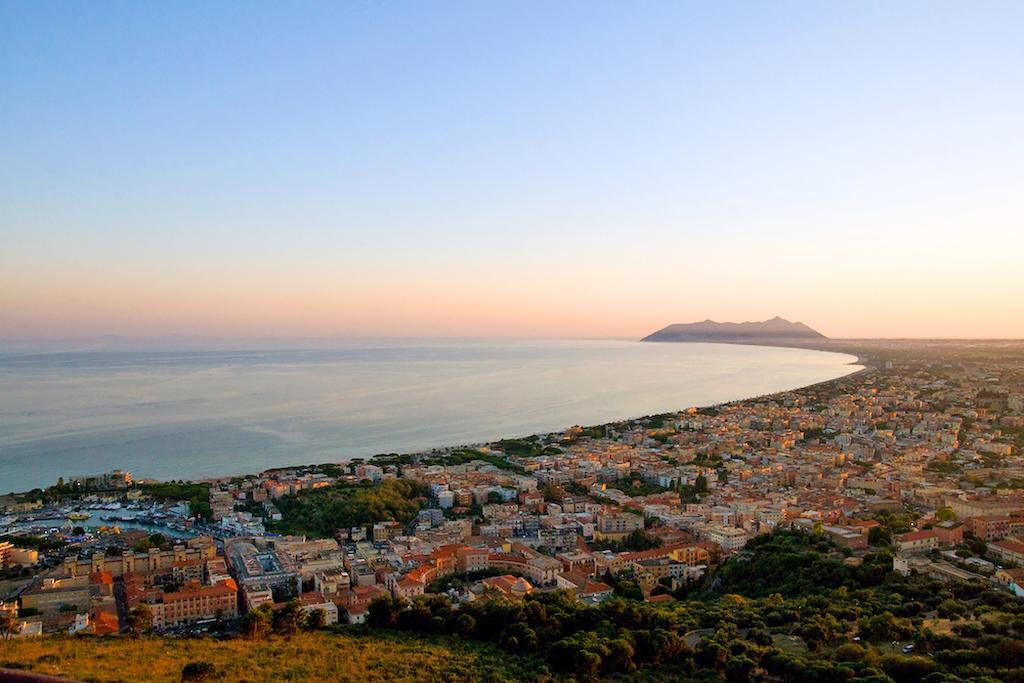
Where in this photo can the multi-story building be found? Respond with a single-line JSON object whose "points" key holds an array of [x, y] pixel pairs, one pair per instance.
{"points": [[916, 542], [727, 538], [540, 568], [222, 504], [993, 528], [262, 568], [191, 603], [1008, 550], [115, 479], [13, 556], [617, 525], [58, 594], [197, 551]]}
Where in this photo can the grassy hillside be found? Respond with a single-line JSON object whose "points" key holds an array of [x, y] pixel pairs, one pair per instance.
{"points": [[306, 656]]}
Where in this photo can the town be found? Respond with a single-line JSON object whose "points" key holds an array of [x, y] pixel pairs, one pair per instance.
{"points": [[917, 456]]}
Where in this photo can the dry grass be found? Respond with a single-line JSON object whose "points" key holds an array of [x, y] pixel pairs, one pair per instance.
{"points": [[305, 657], [794, 645], [939, 626]]}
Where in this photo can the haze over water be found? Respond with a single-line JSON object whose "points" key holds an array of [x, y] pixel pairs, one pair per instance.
{"points": [[204, 413]]}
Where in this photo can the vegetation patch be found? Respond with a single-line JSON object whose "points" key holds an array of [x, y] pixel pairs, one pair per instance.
{"points": [[321, 512]]}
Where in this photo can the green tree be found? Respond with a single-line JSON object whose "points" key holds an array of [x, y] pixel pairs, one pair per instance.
{"points": [[197, 671], [256, 624], [519, 637], [588, 665], [289, 619], [465, 625], [739, 669], [140, 619], [620, 656], [383, 612], [9, 624], [879, 536], [701, 485], [316, 620]]}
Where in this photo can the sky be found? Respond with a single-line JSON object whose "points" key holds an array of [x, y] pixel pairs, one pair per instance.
{"points": [[524, 169]]}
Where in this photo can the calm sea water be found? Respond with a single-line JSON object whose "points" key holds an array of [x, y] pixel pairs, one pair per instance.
{"points": [[203, 413]]}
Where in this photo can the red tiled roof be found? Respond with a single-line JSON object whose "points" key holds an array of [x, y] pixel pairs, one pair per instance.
{"points": [[599, 587], [101, 577], [1009, 545]]}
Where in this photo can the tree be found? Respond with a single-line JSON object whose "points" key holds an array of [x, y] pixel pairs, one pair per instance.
{"points": [[620, 655], [9, 624], [289, 619], [316, 620], [256, 624], [140, 619], [197, 671], [383, 612], [879, 536], [588, 665], [465, 625], [739, 668], [951, 609], [519, 637], [945, 514], [701, 485]]}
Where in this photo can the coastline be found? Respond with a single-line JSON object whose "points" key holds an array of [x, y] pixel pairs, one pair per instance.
{"points": [[867, 353], [858, 359], [453, 447]]}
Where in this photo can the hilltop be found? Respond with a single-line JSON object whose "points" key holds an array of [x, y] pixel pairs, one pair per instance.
{"points": [[340, 655], [771, 331]]}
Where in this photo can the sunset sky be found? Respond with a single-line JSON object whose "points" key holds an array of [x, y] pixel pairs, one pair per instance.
{"points": [[510, 168]]}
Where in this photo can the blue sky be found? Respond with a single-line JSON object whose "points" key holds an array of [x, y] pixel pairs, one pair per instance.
{"points": [[518, 168]]}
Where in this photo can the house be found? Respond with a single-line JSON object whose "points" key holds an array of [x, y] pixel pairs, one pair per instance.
{"points": [[408, 587], [583, 587], [356, 614], [508, 586], [313, 601], [356, 600], [917, 542], [950, 533]]}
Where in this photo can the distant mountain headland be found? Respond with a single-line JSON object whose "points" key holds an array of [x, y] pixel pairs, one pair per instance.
{"points": [[774, 331]]}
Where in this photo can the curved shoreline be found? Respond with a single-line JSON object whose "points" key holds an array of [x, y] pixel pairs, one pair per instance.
{"points": [[654, 385], [857, 360]]}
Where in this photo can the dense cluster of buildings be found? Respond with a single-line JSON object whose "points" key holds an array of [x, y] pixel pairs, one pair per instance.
{"points": [[935, 440]]}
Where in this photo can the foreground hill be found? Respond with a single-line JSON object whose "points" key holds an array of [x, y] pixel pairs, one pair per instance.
{"points": [[319, 656], [772, 331], [790, 607]]}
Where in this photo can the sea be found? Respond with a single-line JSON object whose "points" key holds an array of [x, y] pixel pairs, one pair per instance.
{"points": [[201, 412]]}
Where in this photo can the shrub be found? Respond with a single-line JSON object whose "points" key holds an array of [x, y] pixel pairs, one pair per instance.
{"points": [[197, 671]]}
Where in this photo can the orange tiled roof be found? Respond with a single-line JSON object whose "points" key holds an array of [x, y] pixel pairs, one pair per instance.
{"points": [[419, 574], [104, 623], [1010, 545], [101, 577]]}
